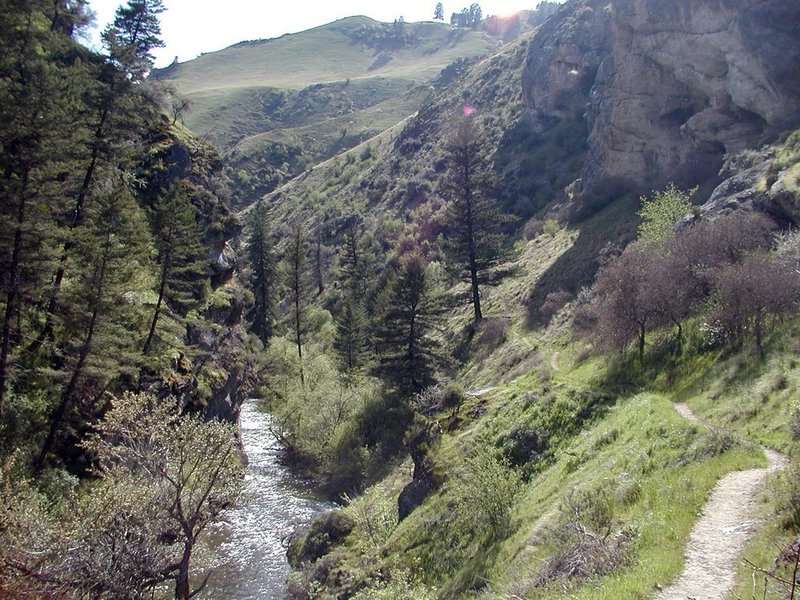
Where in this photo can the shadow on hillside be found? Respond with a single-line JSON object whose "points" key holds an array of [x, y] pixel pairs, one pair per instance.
{"points": [[611, 228]]}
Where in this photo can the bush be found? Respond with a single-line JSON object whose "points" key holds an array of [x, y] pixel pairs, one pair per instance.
{"points": [[584, 544], [375, 517], [523, 444], [324, 532], [438, 397], [533, 229], [401, 584], [551, 227], [554, 302]]}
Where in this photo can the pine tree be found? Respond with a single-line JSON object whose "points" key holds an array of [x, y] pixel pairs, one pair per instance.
{"points": [[40, 127], [99, 322], [474, 244], [353, 326], [262, 278], [133, 36], [181, 255], [117, 107], [438, 13], [353, 267], [351, 340], [299, 286], [408, 355]]}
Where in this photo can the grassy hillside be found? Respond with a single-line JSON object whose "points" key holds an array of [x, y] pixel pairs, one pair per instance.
{"points": [[331, 87], [402, 168], [351, 48], [604, 478], [225, 85]]}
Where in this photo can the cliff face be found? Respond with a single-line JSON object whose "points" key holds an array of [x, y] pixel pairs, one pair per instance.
{"points": [[667, 88]]}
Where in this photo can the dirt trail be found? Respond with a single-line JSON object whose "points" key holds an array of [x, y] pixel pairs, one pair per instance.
{"points": [[718, 538]]}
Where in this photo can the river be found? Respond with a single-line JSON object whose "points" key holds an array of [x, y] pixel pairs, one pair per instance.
{"points": [[249, 548]]}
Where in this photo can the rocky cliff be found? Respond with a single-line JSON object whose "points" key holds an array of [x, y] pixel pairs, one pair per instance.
{"points": [[667, 89]]}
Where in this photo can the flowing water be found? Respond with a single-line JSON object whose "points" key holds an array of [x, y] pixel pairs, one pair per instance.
{"points": [[250, 550]]}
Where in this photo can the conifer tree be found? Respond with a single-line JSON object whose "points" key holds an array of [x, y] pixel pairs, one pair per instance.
{"points": [[262, 277], [40, 125], [408, 355], [299, 286], [99, 323], [351, 340], [180, 254], [117, 107], [474, 244], [354, 269]]}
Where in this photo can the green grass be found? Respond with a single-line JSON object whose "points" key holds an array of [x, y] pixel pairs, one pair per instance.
{"points": [[326, 54], [657, 467], [655, 464]]}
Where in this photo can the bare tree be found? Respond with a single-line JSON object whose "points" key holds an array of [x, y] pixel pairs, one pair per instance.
{"points": [[747, 293], [187, 468]]}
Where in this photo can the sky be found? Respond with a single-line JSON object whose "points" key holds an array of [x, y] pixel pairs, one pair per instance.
{"points": [[189, 27]]}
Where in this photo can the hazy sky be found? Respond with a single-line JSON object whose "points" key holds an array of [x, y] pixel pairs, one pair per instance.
{"points": [[190, 27]]}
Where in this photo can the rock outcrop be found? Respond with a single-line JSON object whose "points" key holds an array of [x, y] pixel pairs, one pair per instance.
{"points": [[668, 89]]}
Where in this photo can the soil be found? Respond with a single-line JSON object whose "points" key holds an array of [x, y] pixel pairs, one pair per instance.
{"points": [[718, 538]]}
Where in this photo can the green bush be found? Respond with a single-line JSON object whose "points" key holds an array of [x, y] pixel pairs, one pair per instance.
{"points": [[794, 422], [551, 227], [324, 532]]}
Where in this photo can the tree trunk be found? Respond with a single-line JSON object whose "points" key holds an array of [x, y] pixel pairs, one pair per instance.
{"points": [[473, 260], [13, 293], [642, 332], [61, 410], [298, 334], [182, 589], [161, 289]]}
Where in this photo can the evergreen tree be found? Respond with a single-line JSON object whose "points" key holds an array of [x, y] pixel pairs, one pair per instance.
{"points": [[475, 15], [299, 286], [262, 277], [351, 340], [319, 261], [40, 129], [353, 267], [438, 13], [133, 36], [117, 107], [474, 243], [408, 355], [99, 322], [181, 255]]}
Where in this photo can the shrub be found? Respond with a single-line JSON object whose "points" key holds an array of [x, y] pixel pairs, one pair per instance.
{"points": [[375, 517], [551, 227], [324, 532], [533, 229], [523, 444], [438, 397], [585, 546], [661, 212], [492, 332], [554, 302]]}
